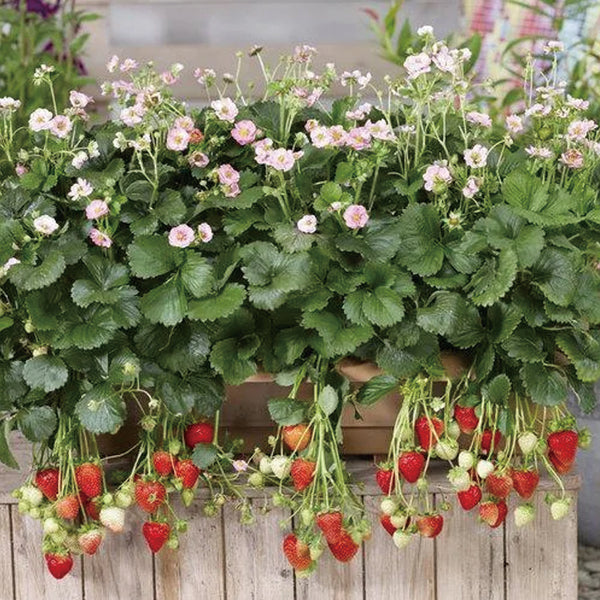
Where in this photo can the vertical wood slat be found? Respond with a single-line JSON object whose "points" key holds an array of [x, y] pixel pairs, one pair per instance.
{"points": [[255, 567], [542, 557], [122, 567], [469, 557], [32, 579], [6, 551], [195, 570]]}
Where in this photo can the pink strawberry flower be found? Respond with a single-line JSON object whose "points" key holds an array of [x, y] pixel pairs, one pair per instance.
{"points": [[339, 136], [307, 224], [129, 64], [40, 119], [46, 225], [244, 132], [281, 159], [478, 118], [99, 238], [231, 190], [61, 126], [227, 175], [417, 64], [177, 139], [476, 157], [96, 209], [572, 158], [262, 150], [181, 236], [514, 123], [225, 109], [198, 159], [132, 115], [185, 122], [320, 136], [310, 125], [79, 99], [20, 170], [240, 465], [358, 138], [380, 130], [437, 177], [356, 216], [205, 232], [471, 187]]}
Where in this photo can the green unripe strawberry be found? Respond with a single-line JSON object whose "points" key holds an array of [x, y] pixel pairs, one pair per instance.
{"points": [[524, 514], [401, 538]]}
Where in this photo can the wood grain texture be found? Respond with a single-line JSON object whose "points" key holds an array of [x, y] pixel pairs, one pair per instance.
{"points": [[469, 557], [12, 478], [397, 574], [6, 551], [195, 570], [542, 557], [32, 580], [122, 567], [255, 567]]}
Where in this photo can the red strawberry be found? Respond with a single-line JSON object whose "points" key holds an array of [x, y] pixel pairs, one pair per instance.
{"points": [[430, 525], [67, 507], [89, 541], [499, 485], [297, 437], [297, 552], [302, 472], [386, 523], [493, 513], [149, 495], [564, 445], [188, 472], [560, 466], [48, 481], [428, 431], [410, 465], [470, 498], [525, 483], [330, 524], [156, 534], [487, 439], [466, 418], [89, 479], [59, 563], [163, 462], [199, 433], [344, 548], [92, 507], [385, 480]]}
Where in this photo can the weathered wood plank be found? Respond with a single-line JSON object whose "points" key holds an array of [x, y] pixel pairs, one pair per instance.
{"points": [[122, 567], [394, 574], [542, 557], [6, 554], [255, 567], [12, 478], [32, 580], [195, 570], [469, 557]]}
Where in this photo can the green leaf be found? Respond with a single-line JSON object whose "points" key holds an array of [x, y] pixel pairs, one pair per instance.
{"points": [[328, 400], [494, 278], [107, 285], [87, 330], [291, 239], [37, 423], [209, 393], [545, 386], [586, 395], [406, 361], [227, 359], [165, 304], [204, 455], [27, 277], [5, 323], [503, 319], [554, 275], [170, 209], [196, 275], [376, 388], [6, 455], [178, 397], [583, 350], [151, 256], [289, 344], [218, 306], [497, 390], [101, 410], [525, 345], [587, 292], [383, 307], [287, 411], [48, 373]]}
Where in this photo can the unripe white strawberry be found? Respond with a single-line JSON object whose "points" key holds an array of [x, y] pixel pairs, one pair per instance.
{"points": [[265, 466], [447, 448], [187, 497], [559, 509], [484, 468], [388, 506], [422, 484], [173, 542], [466, 460], [401, 539], [113, 518], [23, 507], [51, 525], [281, 466], [307, 516], [453, 430], [59, 537], [256, 480], [527, 442], [123, 499], [398, 520], [585, 438], [174, 447], [35, 512], [31, 494], [524, 514], [459, 478]]}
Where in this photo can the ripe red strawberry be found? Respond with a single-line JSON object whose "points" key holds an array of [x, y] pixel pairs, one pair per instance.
{"points": [[302, 472], [344, 548], [430, 525], [385, 480], [297, 437], [156, 534], [330, 524], [59, 563], [149, 495], [499, 485], [466, 418], [560, 466], [89, 541], [525, 483], [428, 431], [199, 433], [67, 507], [297, 552], [188, 472], [410, 465], [163, 462], [92, 507], [48, 481], [470, 498], [493, 513], [564, 445], [89, 479], [487, 438], [387, 524]]}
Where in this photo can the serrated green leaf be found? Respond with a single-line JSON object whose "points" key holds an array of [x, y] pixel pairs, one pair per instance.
{"points": [[170, 208], [165, 304], [583, 350], [383, 307], [151, 256], [101, 410], [225, 358], [497, 390], [177, 395], [494, 278], [37, 423], [204, 455], [503, 319], [328, 400], [289, 344], [554, 274], [28, 277], [525, 345], [545, 386], [48, 373], [196, 275], [376, 388], [217, 306], [586, 395], [209, 393], [291, 239], [86, 330], [287, 411]]}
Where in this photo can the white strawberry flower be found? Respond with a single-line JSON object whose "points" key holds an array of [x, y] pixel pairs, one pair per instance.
{"points": [[46, 225]]}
